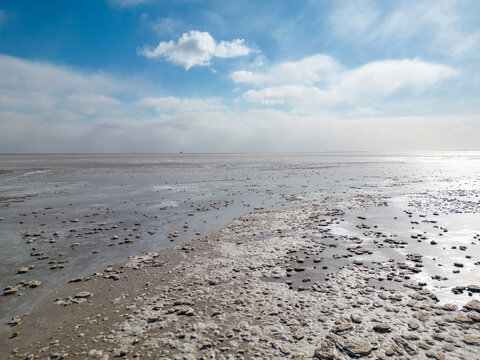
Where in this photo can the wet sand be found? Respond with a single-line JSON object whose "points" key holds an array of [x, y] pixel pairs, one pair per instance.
{"points": [[382, 272]]}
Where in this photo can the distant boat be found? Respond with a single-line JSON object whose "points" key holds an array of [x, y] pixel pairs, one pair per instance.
{"points": [[181, 152]]}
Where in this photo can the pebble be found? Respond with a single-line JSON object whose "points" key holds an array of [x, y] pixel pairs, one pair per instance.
{"points": [[83, 295]]}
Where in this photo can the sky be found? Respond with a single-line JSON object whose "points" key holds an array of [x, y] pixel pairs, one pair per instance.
{"points": [[164, 76]]}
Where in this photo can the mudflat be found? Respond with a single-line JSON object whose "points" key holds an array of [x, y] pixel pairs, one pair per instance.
{"points": [[387, 270]]}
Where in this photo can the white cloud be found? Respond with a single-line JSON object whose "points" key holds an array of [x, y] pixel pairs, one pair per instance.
{"points": [[386, 77], [128, 3], [93, 99], [432, 26], [23, 76], [308, 70], [180, 105], [374, 79], [297, 95], [167, 25], [196, 48], [55, 92], [50, 108]]}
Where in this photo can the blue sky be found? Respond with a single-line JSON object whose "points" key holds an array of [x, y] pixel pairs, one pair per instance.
{"points": [[238, 76]]}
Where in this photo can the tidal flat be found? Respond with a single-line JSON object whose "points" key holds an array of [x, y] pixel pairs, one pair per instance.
{"points": [[240, 256]]}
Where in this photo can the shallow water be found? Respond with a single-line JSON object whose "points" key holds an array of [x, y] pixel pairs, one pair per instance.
{"points": [[152, 195]]}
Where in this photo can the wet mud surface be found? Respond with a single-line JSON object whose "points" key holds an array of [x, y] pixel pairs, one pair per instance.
{"points": [[360, 259]]}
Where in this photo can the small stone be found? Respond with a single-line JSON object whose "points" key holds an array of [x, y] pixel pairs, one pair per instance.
{"points": [[185, 310], [473, 305], [119, 353], [382, 328], [473, 288], [325, 351], [15, 321], [33, 283], [83, 295], [412, 325], [10, 290], [458, 290], [433, 355], [338, 329], [96, 354], [23, 270], [471, 340], [357, 319], [298, 333], [354, 348]]}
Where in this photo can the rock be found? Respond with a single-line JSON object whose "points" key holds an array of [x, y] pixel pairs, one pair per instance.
{"points": [[382, 328], [83, 295], [458, 290], [78, 279], [325, 351], [473, 288], [412, 325], [357, 319], [120, 352], [448, 347], [298, 333], [473, 305], [433, 355], [15, 321], [23, 270], [474, 316], [153, 318], [423, 345], [462, 319], [33, 283], [353, 348], [449, 307], [185, 310], [10, 290], [96, 354], [471, 340], [390, 351], [408, 347], [338, 329], [456, 264]]}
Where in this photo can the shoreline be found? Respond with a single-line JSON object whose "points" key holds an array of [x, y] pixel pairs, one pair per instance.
{"points": [[249, 291]]}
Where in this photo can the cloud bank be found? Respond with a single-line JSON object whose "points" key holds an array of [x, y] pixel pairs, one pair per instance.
{"points": [[50, 108], [196, 48], [319, 80]]}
